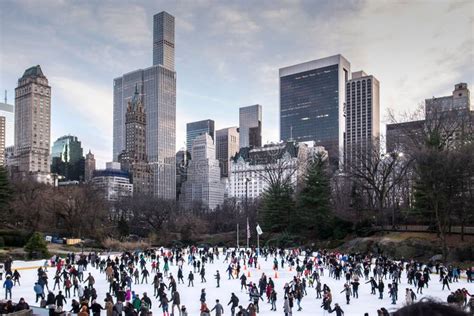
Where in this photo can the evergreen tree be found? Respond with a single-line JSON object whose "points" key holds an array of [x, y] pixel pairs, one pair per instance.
{"points": [[5, 191], [122, 227], [277, 208], [36, 246], [314, 208]]}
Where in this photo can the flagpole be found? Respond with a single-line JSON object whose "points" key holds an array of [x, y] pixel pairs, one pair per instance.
{"points": [[248, 231], [259, 232], [237, 236]]}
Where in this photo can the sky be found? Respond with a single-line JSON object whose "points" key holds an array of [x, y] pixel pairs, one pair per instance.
{"points": [[228, 54]]}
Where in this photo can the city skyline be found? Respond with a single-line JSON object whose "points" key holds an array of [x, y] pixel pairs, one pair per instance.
{"points": [[214, 81]]}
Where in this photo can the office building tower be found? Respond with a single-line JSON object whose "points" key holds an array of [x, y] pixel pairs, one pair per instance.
{"points": [[33, 125], [250, 126], [203, 184], [158, 86], [227, 146], [67, 158], [194, 129], [2, 140], [312, 96], [89, 166], [134, 158], [362, 114], [163, 40], [113, 182]]}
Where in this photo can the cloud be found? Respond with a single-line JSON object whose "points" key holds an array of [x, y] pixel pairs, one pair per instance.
{"points": [[228, 53]]}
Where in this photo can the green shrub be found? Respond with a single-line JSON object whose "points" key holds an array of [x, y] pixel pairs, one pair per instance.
{"points": [[36, 247], [2, 242]]}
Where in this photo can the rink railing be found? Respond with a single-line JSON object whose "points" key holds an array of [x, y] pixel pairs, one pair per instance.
{"points": [[468, 230]]}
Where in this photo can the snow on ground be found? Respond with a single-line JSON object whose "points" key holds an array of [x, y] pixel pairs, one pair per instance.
{"points": [[190, 295]]}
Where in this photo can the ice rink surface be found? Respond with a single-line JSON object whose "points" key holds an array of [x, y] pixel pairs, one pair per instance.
{"points": [[190, 295]]}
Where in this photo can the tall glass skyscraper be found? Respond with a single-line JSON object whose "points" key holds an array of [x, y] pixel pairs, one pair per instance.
{"points": [[194, 129], [312, 96], [163, 40], [67, 158], [250, 126], [158, 84]]}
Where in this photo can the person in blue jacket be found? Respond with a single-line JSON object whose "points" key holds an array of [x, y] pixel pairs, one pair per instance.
{"points": [[8, 285], [38, 291]]}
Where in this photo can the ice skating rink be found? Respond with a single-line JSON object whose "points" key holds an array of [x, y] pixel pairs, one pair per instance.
{"points": [[190, 295]]}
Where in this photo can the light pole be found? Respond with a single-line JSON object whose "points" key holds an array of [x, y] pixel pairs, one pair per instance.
{"points": [[247, 180]]}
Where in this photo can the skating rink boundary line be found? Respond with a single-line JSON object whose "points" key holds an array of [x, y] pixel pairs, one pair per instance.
{"points": [[27, 268]]}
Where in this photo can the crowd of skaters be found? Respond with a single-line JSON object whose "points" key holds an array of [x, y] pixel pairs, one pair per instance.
{"points": [[124, 271]]}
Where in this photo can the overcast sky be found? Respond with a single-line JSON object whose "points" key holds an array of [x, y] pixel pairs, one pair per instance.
{"points": [[228, 54]]}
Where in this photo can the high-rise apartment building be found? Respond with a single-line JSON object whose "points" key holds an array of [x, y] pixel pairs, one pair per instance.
{"points": [[163, 40], [194, 129], [227, 146], [33, 125], [67, 158], [203, 183], [89, 166], [362, 114], [312, 96], [250, 126], [2, 140], [158, 86], [134, 158]]}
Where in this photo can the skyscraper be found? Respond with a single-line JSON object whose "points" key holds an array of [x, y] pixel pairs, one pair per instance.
{"points": [[203, 176], [227, 146], [67, 158], [89, 167], [163, 40], [194, 129], [33, 124], [134, 159], [250, 126], [7, 110], [158, 86], [362, 117], [312, 96]]}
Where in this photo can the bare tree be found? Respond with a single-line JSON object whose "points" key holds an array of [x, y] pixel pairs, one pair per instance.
{"points": [[28, 207], [378, 174], [146, 213], [80, 211]]}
